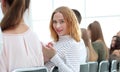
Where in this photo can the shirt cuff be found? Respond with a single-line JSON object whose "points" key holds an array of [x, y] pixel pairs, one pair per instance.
{"points": [[57, 60]]}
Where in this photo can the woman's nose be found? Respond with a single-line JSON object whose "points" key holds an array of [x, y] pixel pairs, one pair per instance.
{"points": [[57, 25]]}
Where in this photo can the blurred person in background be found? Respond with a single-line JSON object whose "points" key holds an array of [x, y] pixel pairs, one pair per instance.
{"points": [[115, 50], [21, 46], [97, 39]]}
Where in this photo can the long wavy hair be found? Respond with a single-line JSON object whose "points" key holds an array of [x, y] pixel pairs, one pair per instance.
{"points": [[70, 20]]}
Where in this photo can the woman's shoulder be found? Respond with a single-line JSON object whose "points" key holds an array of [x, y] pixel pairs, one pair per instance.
{"points": [[19, 30], [73, 44], [71, 41], [97, 43]]}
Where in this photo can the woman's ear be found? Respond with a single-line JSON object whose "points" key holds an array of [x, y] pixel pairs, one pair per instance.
{"points": [[3, 6], [3, 2]]}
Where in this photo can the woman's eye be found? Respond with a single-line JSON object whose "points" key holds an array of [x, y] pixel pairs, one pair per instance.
{"points": [[55, 22], [61, 21]]}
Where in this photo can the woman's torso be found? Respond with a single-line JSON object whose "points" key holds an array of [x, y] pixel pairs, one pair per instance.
{"points": [[100, 50], [63, 45], [21, 50]]}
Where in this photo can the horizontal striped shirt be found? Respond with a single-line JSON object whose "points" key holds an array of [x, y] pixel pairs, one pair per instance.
{"points": [[70, 54]]}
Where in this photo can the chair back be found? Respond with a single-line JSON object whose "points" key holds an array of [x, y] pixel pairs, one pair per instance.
{"points": [[54, 69], [93, 66], [114, 66], [103, 66], [31, 69], [84, 67]]}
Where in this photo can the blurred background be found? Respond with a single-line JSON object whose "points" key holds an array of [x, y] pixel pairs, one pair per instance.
{"points": [[107, 12]]}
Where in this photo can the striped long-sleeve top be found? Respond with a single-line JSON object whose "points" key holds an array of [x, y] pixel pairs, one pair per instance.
{"points": [[70, 54]]}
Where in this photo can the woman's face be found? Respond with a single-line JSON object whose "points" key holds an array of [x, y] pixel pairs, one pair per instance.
{"points": [[113, 41], [59, 24]]}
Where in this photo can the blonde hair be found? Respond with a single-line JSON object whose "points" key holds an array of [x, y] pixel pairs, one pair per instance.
{"points": [[71, 21]]}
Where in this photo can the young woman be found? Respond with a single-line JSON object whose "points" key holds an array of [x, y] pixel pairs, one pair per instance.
{"points": [[21, 47], [96, 35], [67, 53], [115, 50]]}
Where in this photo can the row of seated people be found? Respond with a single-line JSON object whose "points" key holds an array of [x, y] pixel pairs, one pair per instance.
{"points": [[97, 50]]}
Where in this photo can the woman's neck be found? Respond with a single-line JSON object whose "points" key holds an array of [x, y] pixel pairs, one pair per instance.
{"points": [[22, 27]]}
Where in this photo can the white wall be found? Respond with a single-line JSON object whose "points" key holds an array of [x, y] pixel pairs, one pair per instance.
{"points": [[107, 12]]}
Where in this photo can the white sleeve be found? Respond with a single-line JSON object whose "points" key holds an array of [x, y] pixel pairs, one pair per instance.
{"points": [[83, 52], [60, 64], [73, 57]]}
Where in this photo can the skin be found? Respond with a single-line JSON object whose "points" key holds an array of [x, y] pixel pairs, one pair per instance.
{"points": [[59, 24], [116, 52], [118, 33], [113, 41], [89, 33], [4, 6]]}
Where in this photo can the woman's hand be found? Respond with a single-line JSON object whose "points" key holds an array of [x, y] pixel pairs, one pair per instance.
{"points": [[48, 51], [116, 52]]}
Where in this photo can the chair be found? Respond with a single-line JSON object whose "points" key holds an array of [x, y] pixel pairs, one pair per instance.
{"points": [[31, 69], [114, 66], [103, 66], [84, 67], [54, 69], [93, 66]]}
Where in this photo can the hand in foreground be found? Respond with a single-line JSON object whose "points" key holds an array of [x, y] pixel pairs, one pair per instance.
{"points": [[48, 51]]}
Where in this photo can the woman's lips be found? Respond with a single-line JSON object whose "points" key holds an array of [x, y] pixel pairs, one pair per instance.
{"points": [[58, 31]]}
